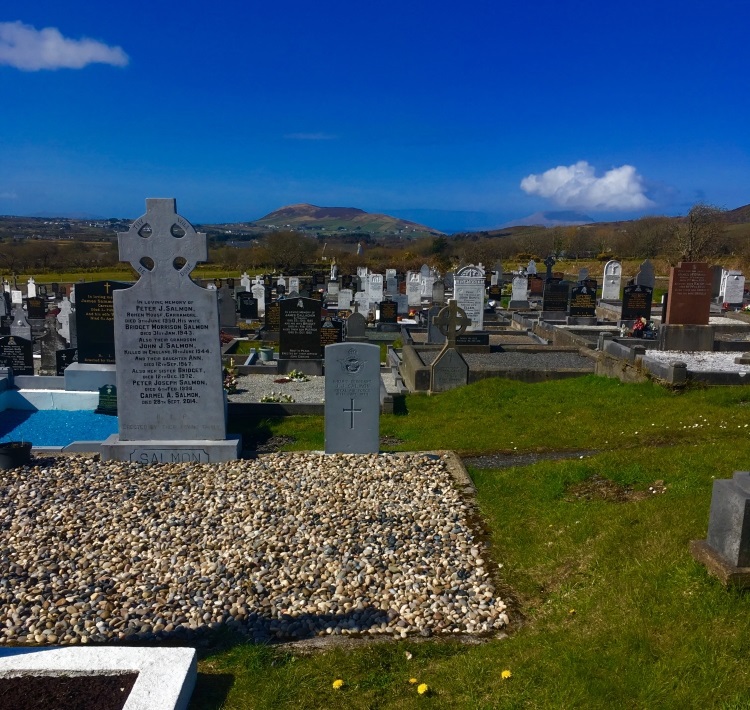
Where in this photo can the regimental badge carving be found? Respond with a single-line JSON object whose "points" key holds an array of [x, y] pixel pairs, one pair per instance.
{"points": [[351, 363]]}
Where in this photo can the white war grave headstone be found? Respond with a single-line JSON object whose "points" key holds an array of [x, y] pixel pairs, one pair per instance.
{"points": [[169, 374], [468, 291], [611, 281], [414, 289], [733, 291], [352, 398]]}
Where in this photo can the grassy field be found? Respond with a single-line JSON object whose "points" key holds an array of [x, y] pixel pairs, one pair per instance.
{"points": [[609, 608]]}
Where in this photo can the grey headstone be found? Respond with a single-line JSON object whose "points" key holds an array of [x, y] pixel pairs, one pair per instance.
{"points": [[259, 292], [583, 274], [414, 290], [31, 288], [50, 343], [434, 336], [169, 375], [611, 281], [729, 519], [531, 268], [20, 328], [356, 326], [449, 370], [468, 292], [227, 308], [438, 292], [645, 275], [734, 288], [352, 398]]}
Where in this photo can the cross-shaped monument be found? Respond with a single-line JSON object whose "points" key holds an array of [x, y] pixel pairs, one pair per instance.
{"points": [[167, 348], [449, 369]]}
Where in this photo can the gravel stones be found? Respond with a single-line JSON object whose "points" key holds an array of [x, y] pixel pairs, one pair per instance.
{"points": [[282, 547]]}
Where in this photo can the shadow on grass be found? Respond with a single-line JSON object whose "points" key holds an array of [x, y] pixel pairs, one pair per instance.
{"points": [[211, 691]]}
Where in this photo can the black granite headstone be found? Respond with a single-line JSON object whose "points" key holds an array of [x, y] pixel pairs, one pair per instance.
{"points": [[16, 352], [636, 302], [107, 400], [388, 312], [95, 322], [555, 298], [582, 302], [35, 307], [331, 331], [299, 329], [63, 358], [273, 316], [248, 305]]}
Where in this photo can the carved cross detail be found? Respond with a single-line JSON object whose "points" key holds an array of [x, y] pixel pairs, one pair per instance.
{"points": [[451, 322], [161, 244]]}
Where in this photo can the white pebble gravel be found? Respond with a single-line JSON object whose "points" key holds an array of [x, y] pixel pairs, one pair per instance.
{"points": [[282, 547], [700, 361]]}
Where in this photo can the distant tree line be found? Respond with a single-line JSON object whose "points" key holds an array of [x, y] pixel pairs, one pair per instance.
{"points": [[704, 234]]}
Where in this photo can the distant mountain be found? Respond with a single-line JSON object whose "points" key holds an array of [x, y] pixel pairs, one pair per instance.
{"points": [[342, 219], [564, 218], [741, 215]]}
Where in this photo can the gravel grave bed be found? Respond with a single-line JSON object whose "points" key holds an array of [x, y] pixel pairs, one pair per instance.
{"points": [[283, 547], [250, 388], [520, 361], [700, 361]]}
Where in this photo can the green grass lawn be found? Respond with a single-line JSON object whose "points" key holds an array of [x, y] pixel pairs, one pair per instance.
{"points": [[608, 607]]}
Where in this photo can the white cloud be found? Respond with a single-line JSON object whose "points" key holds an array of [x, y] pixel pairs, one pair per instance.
{"points": [[9, 195], [24, 47], [310, 136], [577, 186]]}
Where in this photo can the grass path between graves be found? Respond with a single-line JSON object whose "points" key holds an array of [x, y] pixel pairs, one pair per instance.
{"points": [[608, 607]]}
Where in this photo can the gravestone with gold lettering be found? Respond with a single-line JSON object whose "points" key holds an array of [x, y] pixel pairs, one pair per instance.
{"points": [[169, 376]]}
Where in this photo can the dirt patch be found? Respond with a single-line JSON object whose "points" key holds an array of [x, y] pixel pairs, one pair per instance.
{"points": [[503, 459], [390, 441], [599, 488], [273, 444], [40, 692]]}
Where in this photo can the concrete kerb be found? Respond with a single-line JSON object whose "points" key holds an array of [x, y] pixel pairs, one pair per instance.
{"points": [[166, 676]]}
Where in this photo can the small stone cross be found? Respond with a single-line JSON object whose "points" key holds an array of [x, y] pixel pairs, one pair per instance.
{"points": [[549, 262], [451, 321], [161, 244]]}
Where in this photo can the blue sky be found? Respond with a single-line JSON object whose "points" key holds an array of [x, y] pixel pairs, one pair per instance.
{"points": [[439, 110]]}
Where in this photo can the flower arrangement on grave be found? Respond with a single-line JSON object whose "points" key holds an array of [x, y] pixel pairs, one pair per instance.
{"points": [[230, 378], [298, 376], [275, 397]]}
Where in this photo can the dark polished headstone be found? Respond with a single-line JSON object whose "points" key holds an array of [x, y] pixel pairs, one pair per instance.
{"points": [[582, 302], [16, 352], [63, 358], [636, 302], [299, 329], [95, 321], [107, 400]]}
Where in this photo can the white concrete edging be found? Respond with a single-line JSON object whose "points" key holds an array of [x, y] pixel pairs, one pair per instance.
{"points": [[166, 676]]}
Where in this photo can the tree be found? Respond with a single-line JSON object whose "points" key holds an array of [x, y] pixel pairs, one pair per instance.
{"points": [[701, 235], [289, 250]]}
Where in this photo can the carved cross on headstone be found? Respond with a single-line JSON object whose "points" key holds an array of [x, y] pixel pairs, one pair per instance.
{"points": [[452, 321], [162, 245]]}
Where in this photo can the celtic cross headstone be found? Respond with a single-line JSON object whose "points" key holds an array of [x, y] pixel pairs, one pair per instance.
{"points": [[449, 368], [168, 351]]}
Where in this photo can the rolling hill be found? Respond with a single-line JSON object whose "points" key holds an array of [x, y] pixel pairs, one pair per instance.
{"points": [[341, 219]]}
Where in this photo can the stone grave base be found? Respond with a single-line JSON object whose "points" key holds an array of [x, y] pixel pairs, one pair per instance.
{"points": [[718, 566], [688, 338], [523, 305], [197, 451], [88, 378], [309, 367]]}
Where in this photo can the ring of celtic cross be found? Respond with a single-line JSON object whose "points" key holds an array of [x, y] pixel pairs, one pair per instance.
{"points": [[459, 323]]}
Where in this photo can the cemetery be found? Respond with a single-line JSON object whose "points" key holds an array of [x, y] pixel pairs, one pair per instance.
{"points": [[464, 462]]}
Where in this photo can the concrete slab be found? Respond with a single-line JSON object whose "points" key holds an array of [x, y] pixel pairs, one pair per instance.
{"points": [[166, 676]]}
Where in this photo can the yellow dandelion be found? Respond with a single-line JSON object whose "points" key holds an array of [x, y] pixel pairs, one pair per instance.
{"points": [[422, 688], [338, 683], [412, 680], [506, 674]]}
